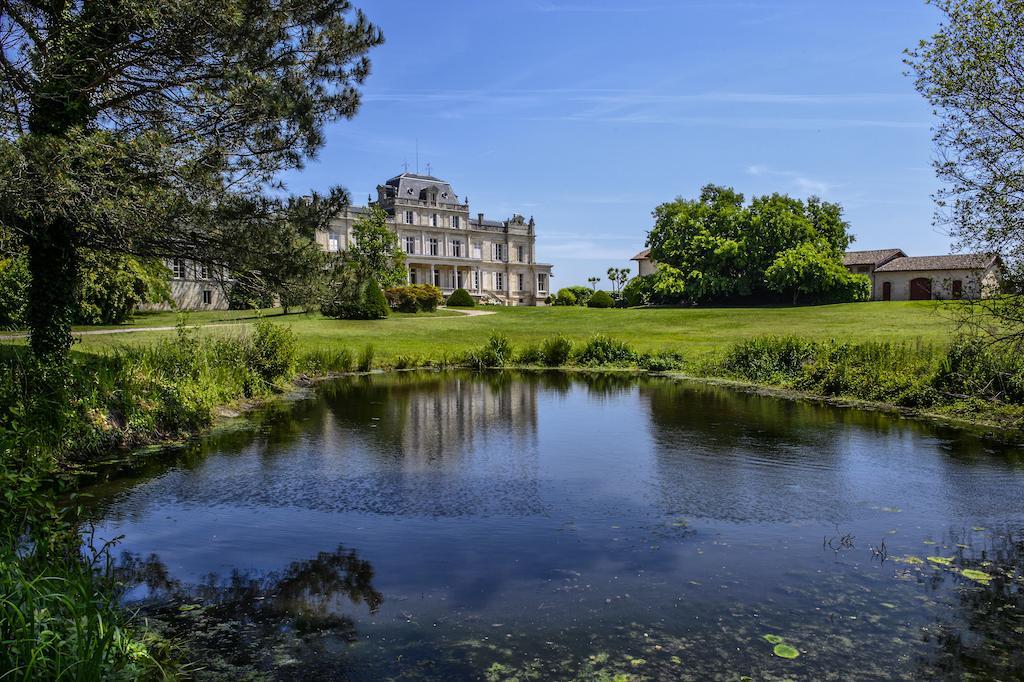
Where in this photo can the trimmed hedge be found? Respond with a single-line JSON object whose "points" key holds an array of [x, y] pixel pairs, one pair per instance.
{"points": [[601, 299], [460, 298]]}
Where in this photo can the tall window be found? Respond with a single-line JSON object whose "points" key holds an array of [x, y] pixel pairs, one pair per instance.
{"points": [[499, 252], [520, 252], [178, 268], [332, 241], [457, 248], [412, 275], [433, 219], [204, 271], [207, 297], [437, 278], [410, 244], [542, 281], [520, 282], [408, 218], [499, 281], [455, 221], [433, 246]]}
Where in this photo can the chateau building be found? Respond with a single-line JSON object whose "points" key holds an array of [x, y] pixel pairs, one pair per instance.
{"points": [[494, 260]]}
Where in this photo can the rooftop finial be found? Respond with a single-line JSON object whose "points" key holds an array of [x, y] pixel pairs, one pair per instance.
{"points": [[428, 168]]}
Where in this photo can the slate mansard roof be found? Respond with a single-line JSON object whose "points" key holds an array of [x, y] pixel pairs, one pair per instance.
{"points": [[967, 261], [876, 257], [409, 186]]}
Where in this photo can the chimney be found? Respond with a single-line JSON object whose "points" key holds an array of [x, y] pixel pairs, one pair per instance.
{"points": [[480, 219]]}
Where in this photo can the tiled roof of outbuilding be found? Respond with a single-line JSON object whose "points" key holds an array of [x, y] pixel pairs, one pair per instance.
{"points": [[871, 257], [643, 255], [966, 261]]}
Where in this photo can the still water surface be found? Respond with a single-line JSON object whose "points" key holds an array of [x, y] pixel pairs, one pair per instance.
{"points": [[460, 526]]}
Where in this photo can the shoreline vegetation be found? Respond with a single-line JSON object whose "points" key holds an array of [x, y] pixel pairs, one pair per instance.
{"points": [[61, 606]]}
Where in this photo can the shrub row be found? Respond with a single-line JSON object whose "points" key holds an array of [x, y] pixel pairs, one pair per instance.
{"points": [[906, 374], [559, 351]]}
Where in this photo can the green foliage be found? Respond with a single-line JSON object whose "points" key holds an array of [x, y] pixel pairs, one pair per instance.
{"points": [[601, 299], [353, 302], [565, 297], [366, 357], [111, 286], [911, 375], [14, 281], [497, 352], [460, 298], [271, 351], [322, 362], [414, 298], [375, 253], [969, 71], [581, 293], [812, 269], [248, 295], [602, 350], [556, 351], [715, 248], [661, 361], [181, 148]]}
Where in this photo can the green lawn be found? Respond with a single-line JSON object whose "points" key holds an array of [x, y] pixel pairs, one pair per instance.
{"points": [[697, 332]]}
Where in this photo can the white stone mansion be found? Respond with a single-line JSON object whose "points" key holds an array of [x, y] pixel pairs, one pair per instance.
{"points": [[496, 261]]}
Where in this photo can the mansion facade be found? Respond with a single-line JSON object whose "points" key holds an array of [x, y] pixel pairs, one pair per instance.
{"points": [[494, 260]]}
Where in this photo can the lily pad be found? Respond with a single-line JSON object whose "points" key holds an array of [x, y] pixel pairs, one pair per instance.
{"points": [[909, 559], [773, 639], [941, 560], [888, 605], [785, 651], [976, 575]]}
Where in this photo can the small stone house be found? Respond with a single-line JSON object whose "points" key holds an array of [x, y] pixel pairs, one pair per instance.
{"points": [[895, 276], [923, 278]]}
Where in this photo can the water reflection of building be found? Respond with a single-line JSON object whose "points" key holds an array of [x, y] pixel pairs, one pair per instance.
{"points": [[434, 421]]}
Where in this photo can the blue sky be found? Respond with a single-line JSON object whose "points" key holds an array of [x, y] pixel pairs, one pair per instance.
{"points": [[586, 114]]}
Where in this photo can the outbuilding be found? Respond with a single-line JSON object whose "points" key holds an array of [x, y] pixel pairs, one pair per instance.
{"points": [[925, 278]]}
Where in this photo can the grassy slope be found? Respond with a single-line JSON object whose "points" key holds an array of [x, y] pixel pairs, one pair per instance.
{"points": [[697, 332]]}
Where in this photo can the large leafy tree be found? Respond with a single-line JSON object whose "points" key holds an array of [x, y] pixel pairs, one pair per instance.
{"points": [[717, 247], [157, 128], [972, 73]]}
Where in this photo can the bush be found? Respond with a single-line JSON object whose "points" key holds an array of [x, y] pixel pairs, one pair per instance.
{"points": [[460, 298], [14, 281], [497, 352], [271, 352], [565, 297], [530, 355], [769, 359], [321, 362], [556, 351], [601, 299], [357, 303], [366, 357], [662, 361], [602, 350], [581, 293], [414, 298]]}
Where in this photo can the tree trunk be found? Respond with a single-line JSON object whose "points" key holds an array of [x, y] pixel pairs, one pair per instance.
{"points": [[796, 292], [53, 266]]}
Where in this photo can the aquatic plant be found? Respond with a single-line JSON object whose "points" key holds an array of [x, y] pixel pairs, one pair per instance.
{"points": [[976, 575], [783, 650], [366, 356]]}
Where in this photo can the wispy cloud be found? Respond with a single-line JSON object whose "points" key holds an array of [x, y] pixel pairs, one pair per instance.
{"points": [[584, 249], [799, 181]]}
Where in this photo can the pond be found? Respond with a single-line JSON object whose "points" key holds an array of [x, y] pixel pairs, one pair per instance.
{"points": [[488, 526]]}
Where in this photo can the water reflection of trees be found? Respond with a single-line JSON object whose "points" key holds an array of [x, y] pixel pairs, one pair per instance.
{"points": [[246, 621]]}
